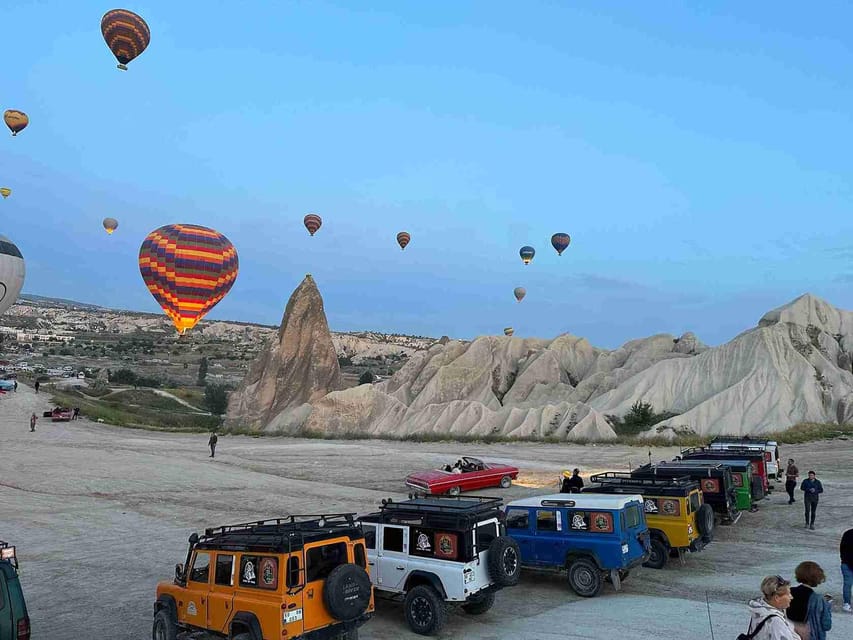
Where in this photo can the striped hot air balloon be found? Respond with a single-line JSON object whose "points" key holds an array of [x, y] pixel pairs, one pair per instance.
{"points": [[403, 239], [126, 34], [5, 192], [188, 269], [560, 241], [16, 120], [312, 222], [509, 331]]}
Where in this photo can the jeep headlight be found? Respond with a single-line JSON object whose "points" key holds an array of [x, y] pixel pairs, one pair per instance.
{"points": [[689, 529]]}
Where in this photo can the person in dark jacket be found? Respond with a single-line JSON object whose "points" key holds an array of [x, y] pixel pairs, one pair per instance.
{"points": [[847, 569], [809, 611], [212, 444], [572, 484], [791, 475], [811, 488]]}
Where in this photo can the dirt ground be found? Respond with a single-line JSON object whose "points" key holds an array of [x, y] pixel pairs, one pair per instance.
{"points": [[100, 514]]}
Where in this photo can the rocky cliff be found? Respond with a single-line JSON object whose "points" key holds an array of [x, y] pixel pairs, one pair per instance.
{"points": [[298, 367]]}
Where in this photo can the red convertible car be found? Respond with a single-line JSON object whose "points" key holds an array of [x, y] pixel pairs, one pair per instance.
{"points": [[467, 474]]}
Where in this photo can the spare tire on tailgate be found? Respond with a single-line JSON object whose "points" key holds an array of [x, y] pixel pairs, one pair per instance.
{"points": [[347, 591], [705, 522], [504, 561]]}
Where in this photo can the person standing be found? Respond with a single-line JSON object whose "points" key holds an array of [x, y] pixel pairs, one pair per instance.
{"points": [[847, 569], [812, 488], [212, 444], [33, 419], [768, 620], [572, 484], [791, 475], [810, 612], [36, 385], [16, 386]]}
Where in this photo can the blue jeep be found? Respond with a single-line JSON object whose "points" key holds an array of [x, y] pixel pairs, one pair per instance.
{"points": [[594, 537]]}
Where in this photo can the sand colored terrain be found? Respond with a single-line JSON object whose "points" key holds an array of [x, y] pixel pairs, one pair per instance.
{"points": [[100, 514]]}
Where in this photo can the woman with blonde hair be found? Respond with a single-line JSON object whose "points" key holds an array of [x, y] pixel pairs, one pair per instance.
{"points": [[810, 612], [768, 621]]}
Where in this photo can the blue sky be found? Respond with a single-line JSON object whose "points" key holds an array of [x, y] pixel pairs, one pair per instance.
{"points": [[698, 156]]}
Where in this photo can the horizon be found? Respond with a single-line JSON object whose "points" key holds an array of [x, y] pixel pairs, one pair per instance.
{"points": [[696, 156]]}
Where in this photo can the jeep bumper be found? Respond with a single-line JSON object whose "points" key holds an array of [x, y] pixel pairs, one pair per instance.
{"points": [[492, 588], [334, 631], [697, 545]]}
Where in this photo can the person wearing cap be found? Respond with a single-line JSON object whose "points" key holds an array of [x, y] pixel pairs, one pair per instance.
{"points": [[791, 475], [768, 620], [571, 483]]}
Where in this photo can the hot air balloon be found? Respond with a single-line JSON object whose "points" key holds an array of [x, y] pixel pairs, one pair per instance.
{"points": [[16, 120], [12, 271], [560, 241], [519, 293], [126, 34], [509, 331], [188, 269], [5, 192], [527, 254], [110, 224], [403, 239], [312, 222]]}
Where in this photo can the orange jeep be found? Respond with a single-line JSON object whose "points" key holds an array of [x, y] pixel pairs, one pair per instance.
{"points": [[288, 578]]}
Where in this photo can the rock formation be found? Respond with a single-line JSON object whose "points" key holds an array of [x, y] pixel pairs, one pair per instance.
{"points": [[795, 366], [299, 366]]}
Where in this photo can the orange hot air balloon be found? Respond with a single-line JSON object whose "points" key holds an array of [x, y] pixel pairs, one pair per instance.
{"points": [[126, 34], [188, 269], [110, 224], [5, 192], [403, 239], [16, 120], [312, 222]]}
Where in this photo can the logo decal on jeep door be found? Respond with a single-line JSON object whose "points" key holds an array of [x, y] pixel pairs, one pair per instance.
{"points": [[269, 573], [423, 543], [578, 521], [445, 545], [650, 505], [191, 609], [249, 573]]}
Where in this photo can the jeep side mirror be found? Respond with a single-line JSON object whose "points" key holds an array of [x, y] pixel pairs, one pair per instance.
{"points": [[179, 572]]}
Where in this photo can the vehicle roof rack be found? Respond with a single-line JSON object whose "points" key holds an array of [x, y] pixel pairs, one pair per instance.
{"points": [[625, 478], [424, 503], [654, 468], [749, 439], [282, 534], [752, 450]]}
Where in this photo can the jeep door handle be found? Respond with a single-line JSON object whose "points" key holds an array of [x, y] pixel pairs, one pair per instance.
{"points": [[401, 568], [370, 564]]}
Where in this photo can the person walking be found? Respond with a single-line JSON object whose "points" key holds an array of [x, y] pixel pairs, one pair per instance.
{"points": [[767, 614], [810, 612], [15, 386], [791, 475], [812, 488], [212, 444], [76, 414], [847, 569], [33, 419], [36, 385]]}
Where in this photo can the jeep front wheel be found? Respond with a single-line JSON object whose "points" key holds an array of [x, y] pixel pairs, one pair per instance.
{"points": [[426, 612], [506, 482], [658, 556], [504, 561], [478, 605], [585, 578], [164, 627]]}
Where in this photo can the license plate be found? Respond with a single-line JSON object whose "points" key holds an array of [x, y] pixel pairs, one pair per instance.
{"points": [[624, 548], [292, 616], [469, 577]]}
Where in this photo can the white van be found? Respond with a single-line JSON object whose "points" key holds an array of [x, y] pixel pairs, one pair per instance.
{"points": [[770, 448]]}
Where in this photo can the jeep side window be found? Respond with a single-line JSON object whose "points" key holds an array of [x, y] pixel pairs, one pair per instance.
{"points": [[369, 535], [224, 570], [392, 539], [293, 572], [517, 519], [360, 557], [485, 534], [694, 502], [201, 567], [632, 516], [546, 520], [319, 561]]}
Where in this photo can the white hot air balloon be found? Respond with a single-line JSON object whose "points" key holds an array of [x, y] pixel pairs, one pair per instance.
{"points": [[12, 272]]}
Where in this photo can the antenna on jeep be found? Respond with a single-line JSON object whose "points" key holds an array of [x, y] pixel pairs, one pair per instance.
{"points": [[710, 624]]}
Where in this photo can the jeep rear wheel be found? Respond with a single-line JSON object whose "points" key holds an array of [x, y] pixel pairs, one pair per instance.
{"points": [[504, 562], [477, 605], [658, 556], [453, 491], [164, 627], [426, 612], [705, 522], [585, 578], [346, 592], [506, 482]]}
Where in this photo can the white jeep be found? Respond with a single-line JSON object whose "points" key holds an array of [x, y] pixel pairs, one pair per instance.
{"points": [[438, 551]]}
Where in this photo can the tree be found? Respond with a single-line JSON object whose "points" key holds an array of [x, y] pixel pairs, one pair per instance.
{"points": [[202, 371], [216, 398], [367, 377]]}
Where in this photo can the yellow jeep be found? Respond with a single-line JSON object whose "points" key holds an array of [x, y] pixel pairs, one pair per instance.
{"points": [[678, 519], [294, 577]]}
